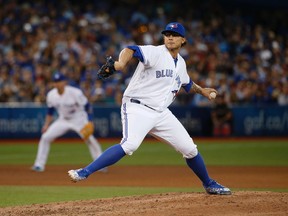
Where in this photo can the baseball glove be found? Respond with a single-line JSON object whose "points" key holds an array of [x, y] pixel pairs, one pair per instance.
{"points": [[107, 69], [87, 130]]}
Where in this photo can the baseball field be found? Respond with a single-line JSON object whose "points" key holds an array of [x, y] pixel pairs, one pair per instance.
{"points": [[153, 181]]}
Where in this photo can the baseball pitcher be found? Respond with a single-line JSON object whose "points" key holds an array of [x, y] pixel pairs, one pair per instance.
{"points": [[160, 74]]}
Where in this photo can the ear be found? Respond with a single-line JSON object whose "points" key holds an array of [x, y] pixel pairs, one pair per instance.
{"points": [[183, 41]]}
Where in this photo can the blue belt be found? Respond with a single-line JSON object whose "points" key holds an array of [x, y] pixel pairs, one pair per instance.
{"points": [[139, 102]]}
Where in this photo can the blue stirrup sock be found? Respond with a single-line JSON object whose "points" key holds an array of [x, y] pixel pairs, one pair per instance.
{"points": [[198, 167], [107, 158]]}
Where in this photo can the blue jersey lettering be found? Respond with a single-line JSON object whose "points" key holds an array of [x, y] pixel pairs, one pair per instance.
{"points": [[164, 73], [178, 81]]}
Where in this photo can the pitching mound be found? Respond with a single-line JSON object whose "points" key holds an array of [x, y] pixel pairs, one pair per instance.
{"points": [[240, 203], [166, 204]]}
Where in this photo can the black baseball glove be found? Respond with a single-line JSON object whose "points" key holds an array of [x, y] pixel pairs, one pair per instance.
{"points": [[107, 69]]}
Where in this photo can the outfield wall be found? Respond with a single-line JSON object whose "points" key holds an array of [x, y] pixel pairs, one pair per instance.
{"points": [[26, 122]]}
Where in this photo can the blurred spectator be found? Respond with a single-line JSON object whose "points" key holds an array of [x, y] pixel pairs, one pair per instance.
{"points": [[98, 93], [283, 95], [242, 53], [221, 116]]}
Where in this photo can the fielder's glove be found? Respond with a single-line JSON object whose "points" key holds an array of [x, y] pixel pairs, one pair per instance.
{"points": [[107, 69], [87, 130]]}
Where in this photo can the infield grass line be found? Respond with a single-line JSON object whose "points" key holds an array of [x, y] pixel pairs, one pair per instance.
{"points": [[265, 153]]}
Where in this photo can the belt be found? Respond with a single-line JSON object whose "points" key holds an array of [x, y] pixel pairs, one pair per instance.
{"points": [[139, 102]]}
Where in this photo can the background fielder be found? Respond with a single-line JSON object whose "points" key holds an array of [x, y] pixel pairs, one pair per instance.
{"points": [[160, 74], [74, 113]]}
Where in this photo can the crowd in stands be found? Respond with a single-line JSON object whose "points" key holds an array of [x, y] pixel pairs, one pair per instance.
{"points": [[244, 55]]}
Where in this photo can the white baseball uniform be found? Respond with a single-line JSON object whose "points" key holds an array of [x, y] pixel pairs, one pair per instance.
{"points": [[153, 87], [71, 116]]}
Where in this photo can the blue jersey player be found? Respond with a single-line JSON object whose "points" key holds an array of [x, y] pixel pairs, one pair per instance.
{"points": [[160, 73]]}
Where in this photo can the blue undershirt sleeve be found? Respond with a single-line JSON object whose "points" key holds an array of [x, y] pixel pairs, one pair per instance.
{"points": [[188, 86], [137, 52]]}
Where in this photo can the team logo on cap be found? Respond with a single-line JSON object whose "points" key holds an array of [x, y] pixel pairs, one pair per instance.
{"points": [[173, 25]]}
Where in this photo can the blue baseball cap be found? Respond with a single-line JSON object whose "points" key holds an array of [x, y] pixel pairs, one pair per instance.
{"points": [[57, 77], [175, 27]]}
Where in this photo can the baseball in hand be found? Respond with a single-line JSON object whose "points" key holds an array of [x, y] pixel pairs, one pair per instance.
{"points": [[212, 95]]}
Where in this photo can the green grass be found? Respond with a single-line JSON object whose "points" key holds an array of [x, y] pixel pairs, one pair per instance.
{"points": [[231, 153], [225, 152], [254, 153]]}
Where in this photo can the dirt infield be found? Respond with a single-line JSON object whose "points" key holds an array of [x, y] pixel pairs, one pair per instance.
{"points": [[190, 203], [168, 204]]}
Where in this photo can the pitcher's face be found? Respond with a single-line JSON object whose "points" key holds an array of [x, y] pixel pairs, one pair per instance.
{"points": [[173, 40]]}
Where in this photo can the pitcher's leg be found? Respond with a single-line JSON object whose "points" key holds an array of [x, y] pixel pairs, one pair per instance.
{"points": [[109, 157], [170, 130], [197, 165], [133, 135], [95, 150], [137, 121]]}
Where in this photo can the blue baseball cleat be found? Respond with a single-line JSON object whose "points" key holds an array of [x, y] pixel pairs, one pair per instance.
{"points": [[216, 189], [37, 169], [77, 175]]}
